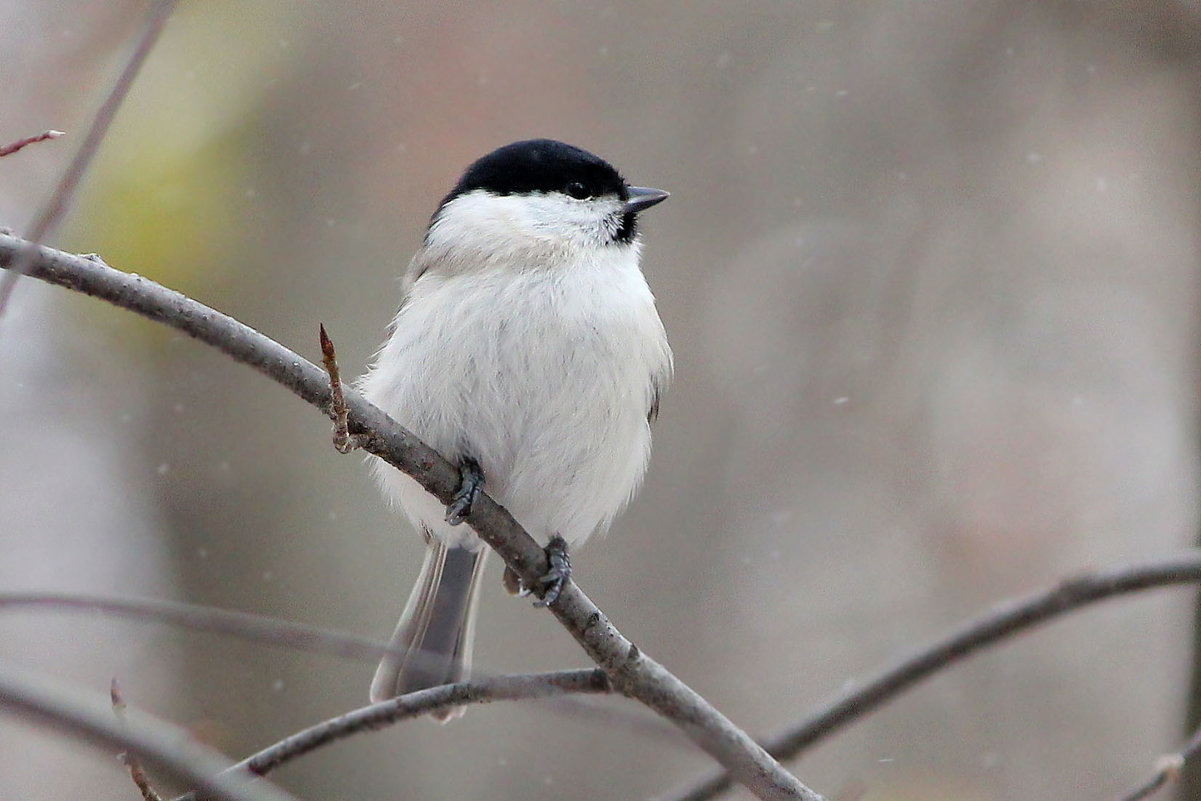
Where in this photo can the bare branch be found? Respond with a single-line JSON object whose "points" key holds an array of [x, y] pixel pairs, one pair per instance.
{"points": [[168, 746], [55, 209], [13, 147], [412, 705], [632, 672], [1167, 769], [300, 637], [257, 628], [1004, 621]]}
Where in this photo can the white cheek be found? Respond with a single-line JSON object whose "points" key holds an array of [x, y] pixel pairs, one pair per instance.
{"points": [[479, 228]]}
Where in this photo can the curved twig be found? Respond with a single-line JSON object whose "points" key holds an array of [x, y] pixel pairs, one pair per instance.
{"points": [[244, 625], [990, 628], [1167, 769], [416, 704], [631, 671], [300, 637], [168, 746]]}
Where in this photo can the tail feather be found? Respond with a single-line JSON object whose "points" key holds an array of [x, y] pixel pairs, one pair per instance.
{"points": [[435, 633]]}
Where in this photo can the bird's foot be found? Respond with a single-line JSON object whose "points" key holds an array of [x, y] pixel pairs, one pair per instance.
{"points": [[559, 574], [471, 482]]}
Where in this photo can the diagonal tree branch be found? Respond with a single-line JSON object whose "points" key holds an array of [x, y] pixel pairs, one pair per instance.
{"points": [[632, 672], [1002, 622], [168, 746]]}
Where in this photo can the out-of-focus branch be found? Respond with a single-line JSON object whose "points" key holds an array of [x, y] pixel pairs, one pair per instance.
{"points": [[246, 626], [1167, 769], [1002, 622], [307, 639], [416, 704], [167, 746], [632, 672], [52, 213]]}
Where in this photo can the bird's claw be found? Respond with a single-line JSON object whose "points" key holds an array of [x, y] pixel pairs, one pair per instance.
{"points": [[471, 481], [558, 575]]}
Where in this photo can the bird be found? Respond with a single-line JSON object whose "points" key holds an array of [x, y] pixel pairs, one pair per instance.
{"points": [[528, 351]]}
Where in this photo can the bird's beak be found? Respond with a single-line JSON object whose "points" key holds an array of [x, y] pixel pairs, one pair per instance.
{"points": [[642, 197]]}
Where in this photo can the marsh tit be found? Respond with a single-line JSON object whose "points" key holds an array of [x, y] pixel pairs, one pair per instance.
{"points": [[527, 350]]}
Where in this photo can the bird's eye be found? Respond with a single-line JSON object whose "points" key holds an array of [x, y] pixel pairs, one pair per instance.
{"points": [[577, 190]]}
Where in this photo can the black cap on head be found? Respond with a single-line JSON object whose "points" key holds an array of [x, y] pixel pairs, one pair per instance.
{"points": [[541, 165]]}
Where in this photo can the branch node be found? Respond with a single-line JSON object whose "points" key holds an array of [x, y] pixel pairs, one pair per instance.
{"points": [[127, 758], [344, 441]]}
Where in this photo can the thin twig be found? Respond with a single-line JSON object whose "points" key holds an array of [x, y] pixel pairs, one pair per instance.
{"points": [[633, 673], [412, 705], [304, 638], [169, 747], [1167, 769], [13, 147], [344, 441], [256, 628], [52, 213], [999, 624], [140, 779]]}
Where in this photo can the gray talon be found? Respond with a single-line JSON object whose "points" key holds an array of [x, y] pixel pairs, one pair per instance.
{"points": [[559, 573], [471, 481]]}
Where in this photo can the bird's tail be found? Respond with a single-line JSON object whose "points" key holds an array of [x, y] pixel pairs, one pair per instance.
{"points": [[434, 636]]}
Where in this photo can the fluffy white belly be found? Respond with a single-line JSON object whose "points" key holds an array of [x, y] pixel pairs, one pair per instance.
{"points": [[545, 379]]}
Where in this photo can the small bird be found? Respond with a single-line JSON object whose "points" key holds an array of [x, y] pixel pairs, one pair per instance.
{"points": [[528, 351]]}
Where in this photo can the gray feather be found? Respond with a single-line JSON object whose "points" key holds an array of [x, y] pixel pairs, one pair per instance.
{"points": [[434, 636]]}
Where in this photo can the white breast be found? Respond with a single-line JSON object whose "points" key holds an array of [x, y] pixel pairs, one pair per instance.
{"points": [[544, 377]]}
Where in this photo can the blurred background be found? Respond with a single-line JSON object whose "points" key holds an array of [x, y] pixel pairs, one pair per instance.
{"points": [[929, 269]]}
